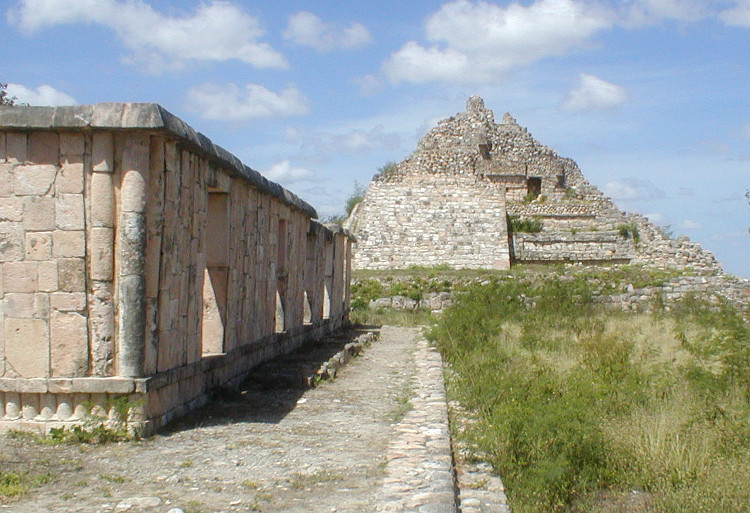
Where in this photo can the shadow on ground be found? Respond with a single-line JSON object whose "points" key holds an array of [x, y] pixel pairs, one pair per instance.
{"points": [[272, 389]]}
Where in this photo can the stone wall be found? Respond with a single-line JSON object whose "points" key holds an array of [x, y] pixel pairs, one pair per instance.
{"points": [[138, 259], [572, 247], [431, 219]]}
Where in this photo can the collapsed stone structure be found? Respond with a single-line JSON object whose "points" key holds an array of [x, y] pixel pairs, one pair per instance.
{"points": [[470, 194], [139, 260]]}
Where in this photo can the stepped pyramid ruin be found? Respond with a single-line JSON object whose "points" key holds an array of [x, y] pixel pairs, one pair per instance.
{"points": [[481, 194]]}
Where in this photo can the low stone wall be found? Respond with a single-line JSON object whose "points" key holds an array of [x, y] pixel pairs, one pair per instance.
{"points": [[735, 290], [139, 259], [572, 247]]}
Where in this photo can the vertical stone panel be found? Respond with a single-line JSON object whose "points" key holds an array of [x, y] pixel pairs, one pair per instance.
{"points": [[131, 253], [2, 147], [154, 226], [27, 347], [16, 147]]}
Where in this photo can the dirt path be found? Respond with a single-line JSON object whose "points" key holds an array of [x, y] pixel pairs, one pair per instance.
{"points": [[320, 450]]}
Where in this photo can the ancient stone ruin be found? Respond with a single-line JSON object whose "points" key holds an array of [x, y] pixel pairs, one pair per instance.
{"points": [[140, 260], [480, 194]]}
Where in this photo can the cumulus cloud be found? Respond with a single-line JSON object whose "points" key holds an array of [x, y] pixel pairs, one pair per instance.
{"points": [[738, 15], [306, 29], [633, 189], [42, 95], [284, 172], [593, 93], [233, 103], [479, 41], [217, 31], [354, 141]]}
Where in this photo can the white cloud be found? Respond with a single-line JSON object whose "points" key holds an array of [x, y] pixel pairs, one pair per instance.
{"points": [[354, 141], [284, 172], [648, 12], [232, 103], [217, 31], [633, 189], [479, 41], [739, 15], [655, 218], [689, 224], [593, 93], [306, 29], [42, 95]]}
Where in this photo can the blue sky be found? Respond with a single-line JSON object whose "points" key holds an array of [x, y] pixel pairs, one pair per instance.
{"points": [[650, 97]]}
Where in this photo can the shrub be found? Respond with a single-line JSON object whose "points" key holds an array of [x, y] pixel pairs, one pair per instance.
{"points": [[525, 225]]}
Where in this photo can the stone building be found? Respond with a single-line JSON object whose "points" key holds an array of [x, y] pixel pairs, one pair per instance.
{"points": [[139, 260], [480, 194]]}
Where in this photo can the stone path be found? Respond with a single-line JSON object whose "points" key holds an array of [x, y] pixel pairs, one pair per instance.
{"points": [[375, 439]]}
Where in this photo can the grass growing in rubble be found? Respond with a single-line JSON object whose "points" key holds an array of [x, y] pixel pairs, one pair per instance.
{"points": [[578, 407]]}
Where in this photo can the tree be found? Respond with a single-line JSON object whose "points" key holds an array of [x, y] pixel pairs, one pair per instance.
{"points": [[4, 98]]}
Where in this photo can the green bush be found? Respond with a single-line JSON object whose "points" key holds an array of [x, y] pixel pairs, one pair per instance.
{"points": [[525, 225]]}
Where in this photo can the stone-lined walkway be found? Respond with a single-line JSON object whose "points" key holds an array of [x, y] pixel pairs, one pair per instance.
{"points": [[375, 439]]}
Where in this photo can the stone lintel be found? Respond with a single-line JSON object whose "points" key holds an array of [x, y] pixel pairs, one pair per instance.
{"points": [[142, 116]]}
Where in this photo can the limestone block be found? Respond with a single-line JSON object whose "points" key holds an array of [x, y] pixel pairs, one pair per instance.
{"points": [[38, 214], [34, 179], [102, 152], [47, 274], [72, 144], [44, 148], [70, 178], [27, 347], [68, 344], [69, 212], [11, 241], [16, 147], [20, 276], [102, 200], [71, 274], [101, 251], [11, 210], [68, 301], [38, 246], [47, 406], [7, 175], [29, 406], [2, 146], [26, 306], [67, 244]]}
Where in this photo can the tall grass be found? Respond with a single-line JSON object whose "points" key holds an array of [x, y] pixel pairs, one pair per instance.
{"points": [[575, 402]]}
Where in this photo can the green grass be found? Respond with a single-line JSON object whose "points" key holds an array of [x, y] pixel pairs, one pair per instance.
{"points": [[16, 484], [576, 405]]}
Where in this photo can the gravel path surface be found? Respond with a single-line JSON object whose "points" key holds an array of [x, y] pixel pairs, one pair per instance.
{"points": [[332, 448]]}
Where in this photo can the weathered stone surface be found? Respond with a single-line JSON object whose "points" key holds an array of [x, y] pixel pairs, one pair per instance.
{"points": [[38, 246], [12, 239], [70, 178], [68, 344], [68, 244], [71, 274], [69, 212], [20, 276], [34, 179], [26, 347], [44, 148], [38, 213]]}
